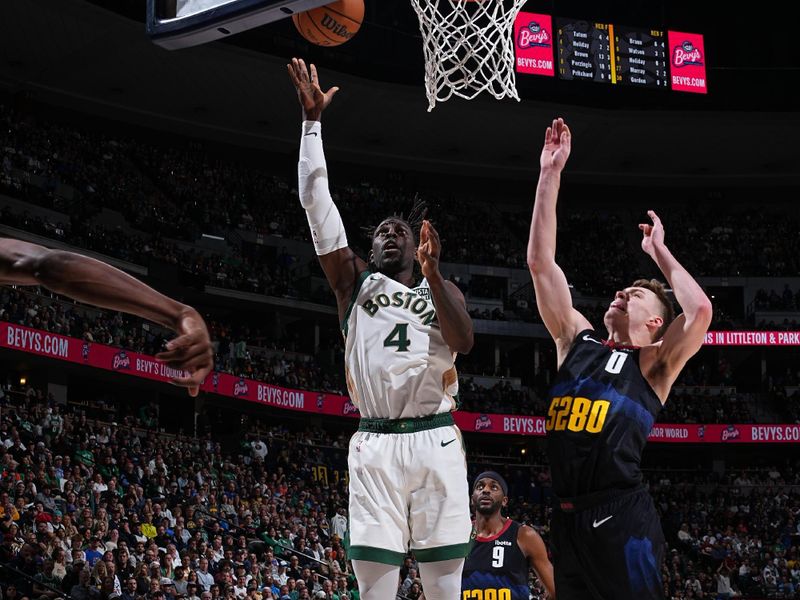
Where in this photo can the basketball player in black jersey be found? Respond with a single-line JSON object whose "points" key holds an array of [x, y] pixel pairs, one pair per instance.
{"points": [[606, 537], [504, 550]]}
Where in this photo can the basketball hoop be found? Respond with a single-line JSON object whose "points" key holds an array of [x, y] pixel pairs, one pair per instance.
{"points": [[468, 47]]}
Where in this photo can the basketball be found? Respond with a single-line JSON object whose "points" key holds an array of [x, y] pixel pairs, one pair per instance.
{"points": [[330, 25]]}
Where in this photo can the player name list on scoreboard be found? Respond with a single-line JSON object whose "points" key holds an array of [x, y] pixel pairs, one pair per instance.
{"points": [[609, 53], [584, 50], [605, 53], [639, 57]]}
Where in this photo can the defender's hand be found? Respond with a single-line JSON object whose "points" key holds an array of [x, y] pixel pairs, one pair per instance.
{"points": [[311, 97], [557, 146], [652, 235], [190, 351], [429, 250]]}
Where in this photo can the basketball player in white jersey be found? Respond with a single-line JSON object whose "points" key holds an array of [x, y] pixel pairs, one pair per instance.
{"points": [[408, 478]]}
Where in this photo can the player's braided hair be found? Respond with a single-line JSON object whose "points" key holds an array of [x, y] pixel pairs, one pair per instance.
{"points": [[419, 210], [418, 213]]}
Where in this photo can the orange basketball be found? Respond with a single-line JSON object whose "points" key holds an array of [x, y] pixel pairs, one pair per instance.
{"points": [[332, 24]]}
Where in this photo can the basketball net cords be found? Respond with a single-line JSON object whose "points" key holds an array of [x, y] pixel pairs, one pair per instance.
{"points": [[468, 50]]}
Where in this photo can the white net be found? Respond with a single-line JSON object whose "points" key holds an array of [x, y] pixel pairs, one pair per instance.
{"points": [[469, 47]]}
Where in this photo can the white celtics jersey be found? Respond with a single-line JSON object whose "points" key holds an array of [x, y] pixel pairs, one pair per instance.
{"points": [[397, 364]]}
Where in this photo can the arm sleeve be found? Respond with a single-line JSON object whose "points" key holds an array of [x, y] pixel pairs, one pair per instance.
{"points": [[327, 229]]}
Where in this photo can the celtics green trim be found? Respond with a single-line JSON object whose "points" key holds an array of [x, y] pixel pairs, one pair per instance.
{"points": [[406, 425], [443, 552], [361, 279], [380, 555]]}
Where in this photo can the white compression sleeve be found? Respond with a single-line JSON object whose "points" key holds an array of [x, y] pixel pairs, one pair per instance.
{"points": [[377, 581], [441, 580], [327, 229]]}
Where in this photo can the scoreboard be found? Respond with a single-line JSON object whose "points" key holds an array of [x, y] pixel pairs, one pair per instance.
{"points": [[640, 56], [584, 50], [612, 54]]}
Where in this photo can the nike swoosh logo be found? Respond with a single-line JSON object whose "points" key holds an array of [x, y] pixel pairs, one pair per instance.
{"points": [[443, 443], [597, 524], [311, 133], [588, 338]]}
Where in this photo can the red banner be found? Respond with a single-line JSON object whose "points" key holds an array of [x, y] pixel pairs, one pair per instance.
{"points": [[33, 341], [687, 62], [533, 41], [752, 338], [738, 434], [661, 432], [59, 347]]}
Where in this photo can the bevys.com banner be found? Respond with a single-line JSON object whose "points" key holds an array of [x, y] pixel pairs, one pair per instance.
{"points": [[59, 347], [687, 62], [661, 432], [533, 42]]}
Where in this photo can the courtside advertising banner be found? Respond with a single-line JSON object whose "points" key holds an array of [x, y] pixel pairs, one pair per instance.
{"points": [[109, 358], [752, 338]]}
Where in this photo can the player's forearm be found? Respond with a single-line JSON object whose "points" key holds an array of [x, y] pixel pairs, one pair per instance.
{"points": [[327, 230], [88, 280], [688, 293], [454, 320], [542, 240]]}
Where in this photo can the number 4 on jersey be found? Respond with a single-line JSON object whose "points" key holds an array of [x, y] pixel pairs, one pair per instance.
{"points": [[398, 337]]}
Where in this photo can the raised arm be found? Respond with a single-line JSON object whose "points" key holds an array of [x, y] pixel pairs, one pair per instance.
{"points": [[94, 282], [451, 308], [684, 337], [553, 297], [535, 551], [340, 264]]}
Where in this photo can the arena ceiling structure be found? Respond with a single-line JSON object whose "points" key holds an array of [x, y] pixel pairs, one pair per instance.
{"points": [[94, 57]]}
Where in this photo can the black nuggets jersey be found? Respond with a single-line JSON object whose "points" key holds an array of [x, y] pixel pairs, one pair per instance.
{"points": [[496, 568], [601, 412]]}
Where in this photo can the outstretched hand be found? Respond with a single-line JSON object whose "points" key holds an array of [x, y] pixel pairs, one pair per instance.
{"points": [[190, 351], [652, 235], [429, 250], [312, 99], [557, 146]]}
